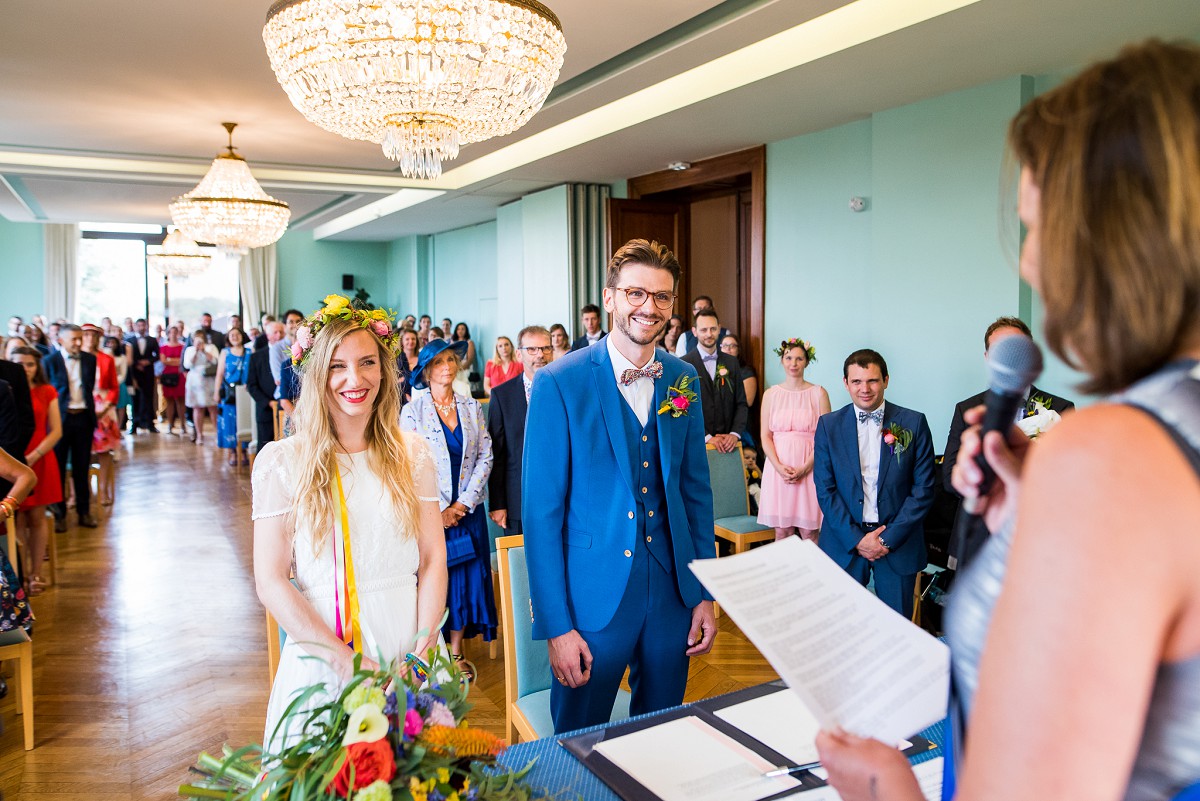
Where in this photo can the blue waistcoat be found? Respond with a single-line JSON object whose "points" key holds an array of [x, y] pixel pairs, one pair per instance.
{"points": [[652, 533]]}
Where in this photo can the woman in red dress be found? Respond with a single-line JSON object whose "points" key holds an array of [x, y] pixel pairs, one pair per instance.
{"points": [[171, 355], [31, 519]]}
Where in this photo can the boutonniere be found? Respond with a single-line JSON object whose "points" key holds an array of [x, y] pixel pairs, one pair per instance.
{"points": [[679, 397], [1036, 405], [722, 375], [897, 438]]}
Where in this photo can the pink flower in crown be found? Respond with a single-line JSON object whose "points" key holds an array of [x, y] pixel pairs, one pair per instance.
{"points": [[681, 403], [297, 351], [381, 328], [304, 337]]}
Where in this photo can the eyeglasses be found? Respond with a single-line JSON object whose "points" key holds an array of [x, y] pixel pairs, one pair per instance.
{"points": [[637, 297], [729, 346], [534, 350]]}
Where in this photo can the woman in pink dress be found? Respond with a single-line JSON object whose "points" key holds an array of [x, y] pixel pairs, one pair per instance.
{"points": [[171, 355], [788, 500]]}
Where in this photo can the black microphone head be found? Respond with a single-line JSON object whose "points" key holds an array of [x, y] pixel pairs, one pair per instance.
{"points": [[1014, 363]]}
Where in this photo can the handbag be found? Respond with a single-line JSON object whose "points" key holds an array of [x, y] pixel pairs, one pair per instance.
{"points": [[169, 379], [14, 607], [459, 547], [210, 370]]}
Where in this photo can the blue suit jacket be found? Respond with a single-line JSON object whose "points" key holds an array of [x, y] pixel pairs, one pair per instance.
{"points": [[55, 366], [578, 485], [905, 487]]}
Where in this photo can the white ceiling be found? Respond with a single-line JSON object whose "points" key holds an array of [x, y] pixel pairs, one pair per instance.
{"points": [[141, 87]]}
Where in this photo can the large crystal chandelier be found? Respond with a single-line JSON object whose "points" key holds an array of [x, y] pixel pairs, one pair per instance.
{"points": [[421, 77], [177, 255], [228, 208]]}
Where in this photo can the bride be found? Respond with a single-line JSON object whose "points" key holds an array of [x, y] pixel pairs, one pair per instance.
{"points": [[350, 504]]}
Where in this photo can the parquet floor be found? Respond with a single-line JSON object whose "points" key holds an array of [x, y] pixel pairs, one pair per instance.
{"points": [[151, 647]]}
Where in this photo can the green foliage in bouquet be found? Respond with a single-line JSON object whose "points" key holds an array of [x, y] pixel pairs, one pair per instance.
{"points": [[389, 736]]}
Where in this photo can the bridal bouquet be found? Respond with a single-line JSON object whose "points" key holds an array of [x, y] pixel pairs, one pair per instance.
{"points": [[389, 736]]}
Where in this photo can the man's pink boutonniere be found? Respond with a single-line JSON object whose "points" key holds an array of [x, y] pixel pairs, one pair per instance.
{"points": [[722, 376], [897, 438], [679, 398]]}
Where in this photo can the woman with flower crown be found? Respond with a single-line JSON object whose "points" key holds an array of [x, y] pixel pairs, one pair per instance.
{"points": [[788, 499], [349, 505]]}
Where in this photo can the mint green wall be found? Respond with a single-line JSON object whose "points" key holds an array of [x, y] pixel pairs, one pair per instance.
{"points": [[310, 269], [510, 269], [463, 271], [408, 276], [21, 269], [918, 275], [546, 249]]}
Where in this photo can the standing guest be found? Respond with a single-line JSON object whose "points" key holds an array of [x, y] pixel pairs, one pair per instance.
{"points": [[731, 345], [233, 368], [261, 386], [592, 332], [172, 379], [16, 326], [1073, 638], [214, 338], [289, 393], [620, 477], [31, 523], [260, 334], [160, 332], [462, 333], [503, 366], [424, 325], [506, 425], [144, 355], [116, 349], [130, 329], [670, 338], [281, 351], [409, 323], [200, 361], [12, 343], [52, 331], [348, 551], [436, 333], [107, 436], [722, 393], [791, 409], [252, 335], [687, 342], [874, 474], [447, 330], [467, 374], [15, 437], [559, 340], [454, 427], [410, 349], [72, 373], [37, 340], [973, 536]]}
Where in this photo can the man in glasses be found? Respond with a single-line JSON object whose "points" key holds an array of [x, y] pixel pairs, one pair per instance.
{"points": [[722, 393], [616, 503], [687, 342], [592, 332], [506, 424]]}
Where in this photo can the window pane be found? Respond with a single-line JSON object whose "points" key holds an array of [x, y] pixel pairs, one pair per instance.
{"points": [[214, 291], [112, 280]]}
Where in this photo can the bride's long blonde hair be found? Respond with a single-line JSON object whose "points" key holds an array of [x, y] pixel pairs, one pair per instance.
{"points": [[316, 452]]}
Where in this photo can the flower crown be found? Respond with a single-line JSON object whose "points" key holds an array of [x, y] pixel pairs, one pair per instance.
{"points": [[809, 351], [337, 307]]}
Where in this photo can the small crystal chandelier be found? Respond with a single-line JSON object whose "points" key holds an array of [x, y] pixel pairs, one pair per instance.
{"points": [[228, 208], [421, 77], [177, 256]]}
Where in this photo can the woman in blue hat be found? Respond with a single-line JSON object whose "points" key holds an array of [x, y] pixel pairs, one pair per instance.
{"points": [[455, 428]]}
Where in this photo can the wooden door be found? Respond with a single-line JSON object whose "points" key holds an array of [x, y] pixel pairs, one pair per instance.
{"points": [[666, 223]]}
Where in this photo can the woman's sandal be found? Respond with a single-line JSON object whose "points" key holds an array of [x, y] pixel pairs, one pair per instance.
{"points": [[464, 667], [37, 585]]}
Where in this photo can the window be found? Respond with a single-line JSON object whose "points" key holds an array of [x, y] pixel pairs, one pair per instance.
{"points": [[112, 279], [214, 291]]}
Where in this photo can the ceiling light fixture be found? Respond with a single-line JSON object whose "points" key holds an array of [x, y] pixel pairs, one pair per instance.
{"points": [[228, 208], [679, 166], [420, 77], [177, 255]]}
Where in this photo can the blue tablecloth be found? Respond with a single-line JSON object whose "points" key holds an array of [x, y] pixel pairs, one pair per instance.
{"points": [[558, 771]]}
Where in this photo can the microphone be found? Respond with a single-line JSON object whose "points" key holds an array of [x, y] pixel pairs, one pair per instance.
{"points": [[1013, 363]]}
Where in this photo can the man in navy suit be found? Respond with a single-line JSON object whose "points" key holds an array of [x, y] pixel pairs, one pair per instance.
{"points": [[722, 392], [873, 467], [141, 377], [72, 373], [592, 332], [261, 384], [506, 424], [616, 504]]}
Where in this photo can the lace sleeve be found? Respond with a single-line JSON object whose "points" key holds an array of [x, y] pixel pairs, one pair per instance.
{"points": [[423, 469], [270, 484]]}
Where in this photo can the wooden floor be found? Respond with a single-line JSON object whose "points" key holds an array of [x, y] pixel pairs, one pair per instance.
{"points": [[151, 647]]}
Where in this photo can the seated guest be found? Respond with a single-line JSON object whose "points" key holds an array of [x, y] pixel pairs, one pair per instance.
{"points": [[261, 386], [874, 474], [410, 349], [503, 366], [72, 373], [559, 340], [506, 425], [1073, 638], [974, 537], [687, 341], [592, 332], [31, 523], [722, 393], [731, 345]]}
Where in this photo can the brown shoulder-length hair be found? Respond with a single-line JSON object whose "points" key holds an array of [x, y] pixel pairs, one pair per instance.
{"points": [[1115, 153]]}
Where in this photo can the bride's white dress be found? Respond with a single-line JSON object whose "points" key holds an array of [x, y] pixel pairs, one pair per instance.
{"points": [[385, 560]]}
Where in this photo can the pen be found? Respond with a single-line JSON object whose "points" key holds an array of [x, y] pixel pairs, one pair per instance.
{"points": [[771, 774]]}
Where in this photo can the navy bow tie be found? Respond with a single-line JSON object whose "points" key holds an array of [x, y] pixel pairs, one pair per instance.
{"points": [[711, 357], [875, 417], [652, 371], [74, 356]]}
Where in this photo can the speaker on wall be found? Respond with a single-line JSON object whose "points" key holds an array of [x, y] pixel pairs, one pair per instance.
{"points": [[347, 281]]}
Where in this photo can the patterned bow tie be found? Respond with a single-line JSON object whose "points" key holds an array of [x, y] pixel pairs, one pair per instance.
{"points": [[651, 371], [711, 357], [875, 417]]}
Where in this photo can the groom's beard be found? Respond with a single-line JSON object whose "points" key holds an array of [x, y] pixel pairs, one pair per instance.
{"points": [[635, 333]]}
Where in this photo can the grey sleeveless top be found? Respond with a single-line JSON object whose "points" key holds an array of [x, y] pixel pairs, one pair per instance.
{"points": [[1168, 758]]}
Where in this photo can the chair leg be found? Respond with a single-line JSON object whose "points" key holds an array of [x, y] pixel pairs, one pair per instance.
{"points": [[18, 687], [26, 692], [53, 551]]}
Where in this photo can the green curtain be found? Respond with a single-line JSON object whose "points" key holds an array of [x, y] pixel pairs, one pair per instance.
{"points": [[586, 216]]}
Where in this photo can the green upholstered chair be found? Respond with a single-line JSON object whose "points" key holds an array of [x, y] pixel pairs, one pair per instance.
{"points": [[732, 520], [527, 676]]}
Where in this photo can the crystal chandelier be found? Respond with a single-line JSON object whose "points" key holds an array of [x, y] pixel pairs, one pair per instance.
{"points": [[421, 77], [177, 256], [228, 208]]}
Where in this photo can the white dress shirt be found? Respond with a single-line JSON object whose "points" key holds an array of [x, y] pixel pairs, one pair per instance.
{"points": [[75, 378], [640, 394], [528, 382], [593, 338], [870, 441]]}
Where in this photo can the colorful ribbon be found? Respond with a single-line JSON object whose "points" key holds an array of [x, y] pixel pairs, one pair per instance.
{"points": [[347, 626]]}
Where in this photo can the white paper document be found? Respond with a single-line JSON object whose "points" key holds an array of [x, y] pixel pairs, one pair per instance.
{"points": [[854, 662], [689, 760], [929, 779]]}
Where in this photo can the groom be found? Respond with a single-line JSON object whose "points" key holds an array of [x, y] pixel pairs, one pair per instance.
{"points": [[616, 504]]}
